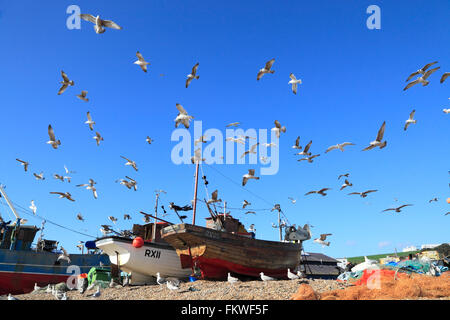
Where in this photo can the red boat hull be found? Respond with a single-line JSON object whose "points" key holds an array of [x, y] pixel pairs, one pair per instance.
{"points": [[21, 283]]}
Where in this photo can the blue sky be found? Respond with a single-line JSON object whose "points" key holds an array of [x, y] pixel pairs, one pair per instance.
{"points": [[353, 80]]}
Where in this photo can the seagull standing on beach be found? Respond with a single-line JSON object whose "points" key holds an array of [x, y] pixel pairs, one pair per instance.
{"points": [[53, 142], [294, 82], [266, 278], [249, 175], [159, 279], [65, 83], [410, 120], [182, 117], [99, 24], [266, 69], [82, 96], [171, 285], [377, 142], [141, 62], [192, 75], [292, 276], [232, 279]]}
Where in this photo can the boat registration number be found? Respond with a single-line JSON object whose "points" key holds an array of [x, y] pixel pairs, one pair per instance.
{"points": [[152, 253]]}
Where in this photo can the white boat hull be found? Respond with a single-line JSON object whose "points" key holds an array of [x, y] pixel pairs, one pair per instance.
{"points": [[143, 263]]}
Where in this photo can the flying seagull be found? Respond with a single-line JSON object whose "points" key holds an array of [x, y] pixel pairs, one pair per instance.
{"points": [[99, 24], [420, 71], [339, 146], [25, 164], [294, 82], [346, 184], [141, 62], [297, 144], [53, 142], [33, 207], [310, 159], [266, 69], [398, 209], [197, 156], [322, 239], [130, 163], [252, 150], [445, 76], [377, 142], [149, 140], [66, 195], [343, 175], [410, 120], [39, 176], [98, 138], [126, 217], [65, 83], [305, 151], [321, 192], [292, 200], [90, 186], [292, 276], [278, 128], [249, 175], [58, 177], [214, 197], [89, 121], [113, 219], [434, 199], [423, 79], [80, 217], [182, 117], [234, 124], [363, 194], [237, 140], [82, 96], [245, 203], [202, 139], [192, 75], [447, 111]]}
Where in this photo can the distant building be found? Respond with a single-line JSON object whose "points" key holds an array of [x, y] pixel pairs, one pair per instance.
{"points": [[429, 246], [410, 248]]}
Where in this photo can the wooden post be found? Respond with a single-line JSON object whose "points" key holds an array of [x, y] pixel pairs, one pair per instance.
{"points": [[156, 215], [195, 193], [279, 224]]}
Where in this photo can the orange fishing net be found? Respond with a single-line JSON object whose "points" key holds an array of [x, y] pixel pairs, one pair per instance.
{"points": [[385, 288]]}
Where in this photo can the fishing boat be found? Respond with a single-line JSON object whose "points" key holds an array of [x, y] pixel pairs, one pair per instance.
{"points": [[143, 260], [22, 266]]}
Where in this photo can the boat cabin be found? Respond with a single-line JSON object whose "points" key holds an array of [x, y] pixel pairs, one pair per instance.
{"points": [[225, 222], [17, 238], [146, 231]]}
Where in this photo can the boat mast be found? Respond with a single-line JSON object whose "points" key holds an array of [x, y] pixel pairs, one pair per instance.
{"points": [[158, 192], [195, 193], [3, 193]]}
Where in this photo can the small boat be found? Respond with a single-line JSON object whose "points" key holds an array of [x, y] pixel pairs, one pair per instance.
{"points": [[142, 261], [224, 246], [22, 266]]}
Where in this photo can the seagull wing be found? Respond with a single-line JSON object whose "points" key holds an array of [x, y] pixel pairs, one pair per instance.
{"points": [[64, 75], [294, 88], [332, 148], [409, 85], [292, 77], [194, 69], [251, 172], [51, 133], [181, 109], [269, 64], [307, 147], [62, 89], [381, 132], [429, 72], [140, 57], [411, 115], [412, 75], [87, 17], [428, 65], [111, 24], [445, 76]]}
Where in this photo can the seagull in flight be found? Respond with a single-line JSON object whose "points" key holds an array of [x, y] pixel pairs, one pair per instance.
{"points": [[80, 217], [25, 164], [90, 186], [266, 69], [234, 124], [66, 195], [421, 71], [113, 219], [410, 120], [99, 24], [322, 239], [305, 151], [89, 121], [339, 146], [82, 96], [310, 159], [130, 163], [447, 111], [278, 128], [346, 184], [249, 175], [98, 138], [294, 82], [363, 194], [192, 75], [252, 150], [398, 209], [343, 175], [33, 207], [202, 139], [245, 203], [182, 117], [237, 140], [294, 201], [65, 83], [297, 144], [232, 279], [434, 199], [141, 62], [377, 142], [149, 140], [423, 79], [64, 255], [39, 176], [214, 197], [53, 142], [321, 192]]}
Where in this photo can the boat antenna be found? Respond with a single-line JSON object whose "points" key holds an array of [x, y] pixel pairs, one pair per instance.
{"points": [[195, 192], [158, 193], [3, 193]]}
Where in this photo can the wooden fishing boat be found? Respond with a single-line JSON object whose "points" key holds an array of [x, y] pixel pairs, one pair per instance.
{"points": [[143, 261], [224, 246]]}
